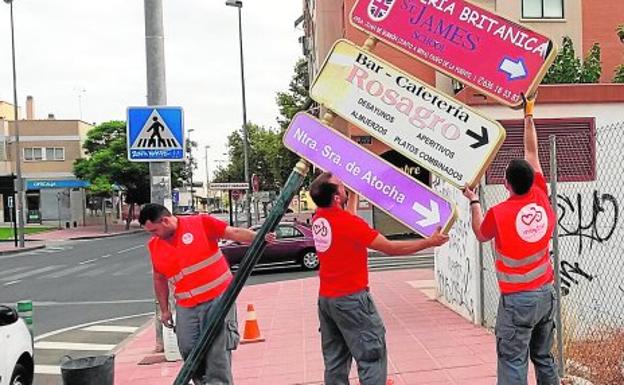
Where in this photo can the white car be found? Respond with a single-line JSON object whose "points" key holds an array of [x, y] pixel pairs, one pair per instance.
{"points": [[16, 352]]}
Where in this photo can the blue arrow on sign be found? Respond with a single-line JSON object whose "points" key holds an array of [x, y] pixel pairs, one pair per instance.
{"points": [[155, 134]]}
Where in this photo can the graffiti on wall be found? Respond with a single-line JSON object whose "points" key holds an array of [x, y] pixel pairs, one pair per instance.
{"points": [[455, 261], [587, 220], [594, 225]]}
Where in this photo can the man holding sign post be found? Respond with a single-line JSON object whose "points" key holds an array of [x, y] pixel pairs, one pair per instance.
{"points": [[521, 228], [350, 324]]}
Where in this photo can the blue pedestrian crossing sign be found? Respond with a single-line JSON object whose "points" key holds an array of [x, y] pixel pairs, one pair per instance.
{"points": [[155, 134]]}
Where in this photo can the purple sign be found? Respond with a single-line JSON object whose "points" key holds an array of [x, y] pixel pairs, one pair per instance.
{"points": [[403, 197]]}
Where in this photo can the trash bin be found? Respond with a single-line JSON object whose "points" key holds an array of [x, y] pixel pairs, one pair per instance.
{"points": [[98, 370]]}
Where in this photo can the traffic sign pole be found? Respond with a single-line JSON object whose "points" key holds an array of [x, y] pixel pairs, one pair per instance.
{"points": [[216, 315], [160, 172]]}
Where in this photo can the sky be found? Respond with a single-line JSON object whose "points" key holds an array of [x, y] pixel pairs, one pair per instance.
{"points": [[86, 59]]}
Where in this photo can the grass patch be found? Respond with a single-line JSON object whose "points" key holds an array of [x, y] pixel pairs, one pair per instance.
{"points": [[7, 232]]}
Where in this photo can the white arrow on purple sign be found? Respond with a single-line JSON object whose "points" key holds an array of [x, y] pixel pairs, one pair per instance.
{"points": [[403, 197]]}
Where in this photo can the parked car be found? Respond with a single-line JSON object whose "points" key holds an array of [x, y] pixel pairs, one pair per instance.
{"points": [[16, 349], [294, 246]]}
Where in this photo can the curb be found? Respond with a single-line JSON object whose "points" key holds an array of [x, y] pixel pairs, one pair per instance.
{"points": [[111, 235], [14, 251]]}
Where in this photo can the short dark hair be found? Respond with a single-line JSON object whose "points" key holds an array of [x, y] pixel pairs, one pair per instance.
{"points": [[322, 190], [153, 212], [519, 175]]}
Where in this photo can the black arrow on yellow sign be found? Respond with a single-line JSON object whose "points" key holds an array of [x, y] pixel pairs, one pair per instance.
{"points": [[482, 139]]}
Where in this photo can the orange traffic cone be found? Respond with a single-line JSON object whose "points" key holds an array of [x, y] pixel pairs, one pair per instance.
{"points": [[252, 331]]}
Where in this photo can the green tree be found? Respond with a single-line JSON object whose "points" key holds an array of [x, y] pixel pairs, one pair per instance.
{"points": [[107, 163], [566, 66], [591, 67], [296, 99], [618, 76], [264, 153]]}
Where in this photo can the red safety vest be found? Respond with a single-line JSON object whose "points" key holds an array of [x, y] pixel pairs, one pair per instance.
{"points": [[193, 264], [524, 226]]}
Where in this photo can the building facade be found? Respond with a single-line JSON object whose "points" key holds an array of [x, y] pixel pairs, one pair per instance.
{"points": [[48, 149], [586, 23]]}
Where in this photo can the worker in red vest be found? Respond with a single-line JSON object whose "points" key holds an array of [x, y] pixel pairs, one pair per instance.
{"points": [[521, 228], [350, 325], [185, 254]]}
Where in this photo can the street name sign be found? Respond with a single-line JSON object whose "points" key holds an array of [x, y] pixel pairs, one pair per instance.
{"points": [[229, 186], [427, 126], [155, 134], [482, 49], [401, 196]]}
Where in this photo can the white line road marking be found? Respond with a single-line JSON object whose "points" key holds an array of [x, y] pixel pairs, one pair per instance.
{"points": [[130, 249], [111, 328], [88, 261], [13, 270], [65, 272], [50, 345], [105, 256], [118, 302], [32, 272], [129, 269], [12, 282], [47, 369], [67, 329]]}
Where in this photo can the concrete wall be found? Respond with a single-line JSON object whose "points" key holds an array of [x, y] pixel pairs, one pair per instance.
{"points": [[457, 272]]}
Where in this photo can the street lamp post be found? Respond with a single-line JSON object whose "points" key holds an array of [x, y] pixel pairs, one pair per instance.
{"points": [[207, 178], [19, 205], [239, 4], [190, 157]]}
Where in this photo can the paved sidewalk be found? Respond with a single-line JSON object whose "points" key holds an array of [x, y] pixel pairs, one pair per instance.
{"points": [[85, 232], [38, 240], [428, 344], [9, 247]]}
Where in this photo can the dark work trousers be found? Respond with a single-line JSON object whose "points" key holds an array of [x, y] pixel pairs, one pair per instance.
{"points": [[216, 368], [525, 327], [352, 328]]}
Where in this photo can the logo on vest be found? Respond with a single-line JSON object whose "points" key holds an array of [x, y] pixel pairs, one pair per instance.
{"points": [[532, 223], [187, 238], [322, 234]]}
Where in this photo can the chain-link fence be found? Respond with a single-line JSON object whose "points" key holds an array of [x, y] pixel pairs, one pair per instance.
{"points": [[590, 188]]}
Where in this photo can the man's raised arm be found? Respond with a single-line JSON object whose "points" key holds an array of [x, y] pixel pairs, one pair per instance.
{"points": [[531, 154]]}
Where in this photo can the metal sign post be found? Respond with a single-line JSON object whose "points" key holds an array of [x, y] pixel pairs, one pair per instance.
{"points": [[217, 313]]}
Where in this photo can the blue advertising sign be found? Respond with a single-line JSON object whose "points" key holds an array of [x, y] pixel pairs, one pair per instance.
{"points": [[59, 183], [175, 197], [155, 134]]}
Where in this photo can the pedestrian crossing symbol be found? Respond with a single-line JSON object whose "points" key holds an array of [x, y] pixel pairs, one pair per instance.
{"points": [[155, 134]]}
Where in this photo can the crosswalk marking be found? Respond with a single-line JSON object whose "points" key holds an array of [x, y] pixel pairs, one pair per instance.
{"points": [[32, 272], [47, 369], [101, 270], [129, 269], [66, 272], [111, 328], [51, 345], [13, 270]]}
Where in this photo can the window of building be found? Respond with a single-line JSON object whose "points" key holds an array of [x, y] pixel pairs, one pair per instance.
{"points": [[542, 9], [55, 153], [576, 149], [44, 153], [33, 153]]}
